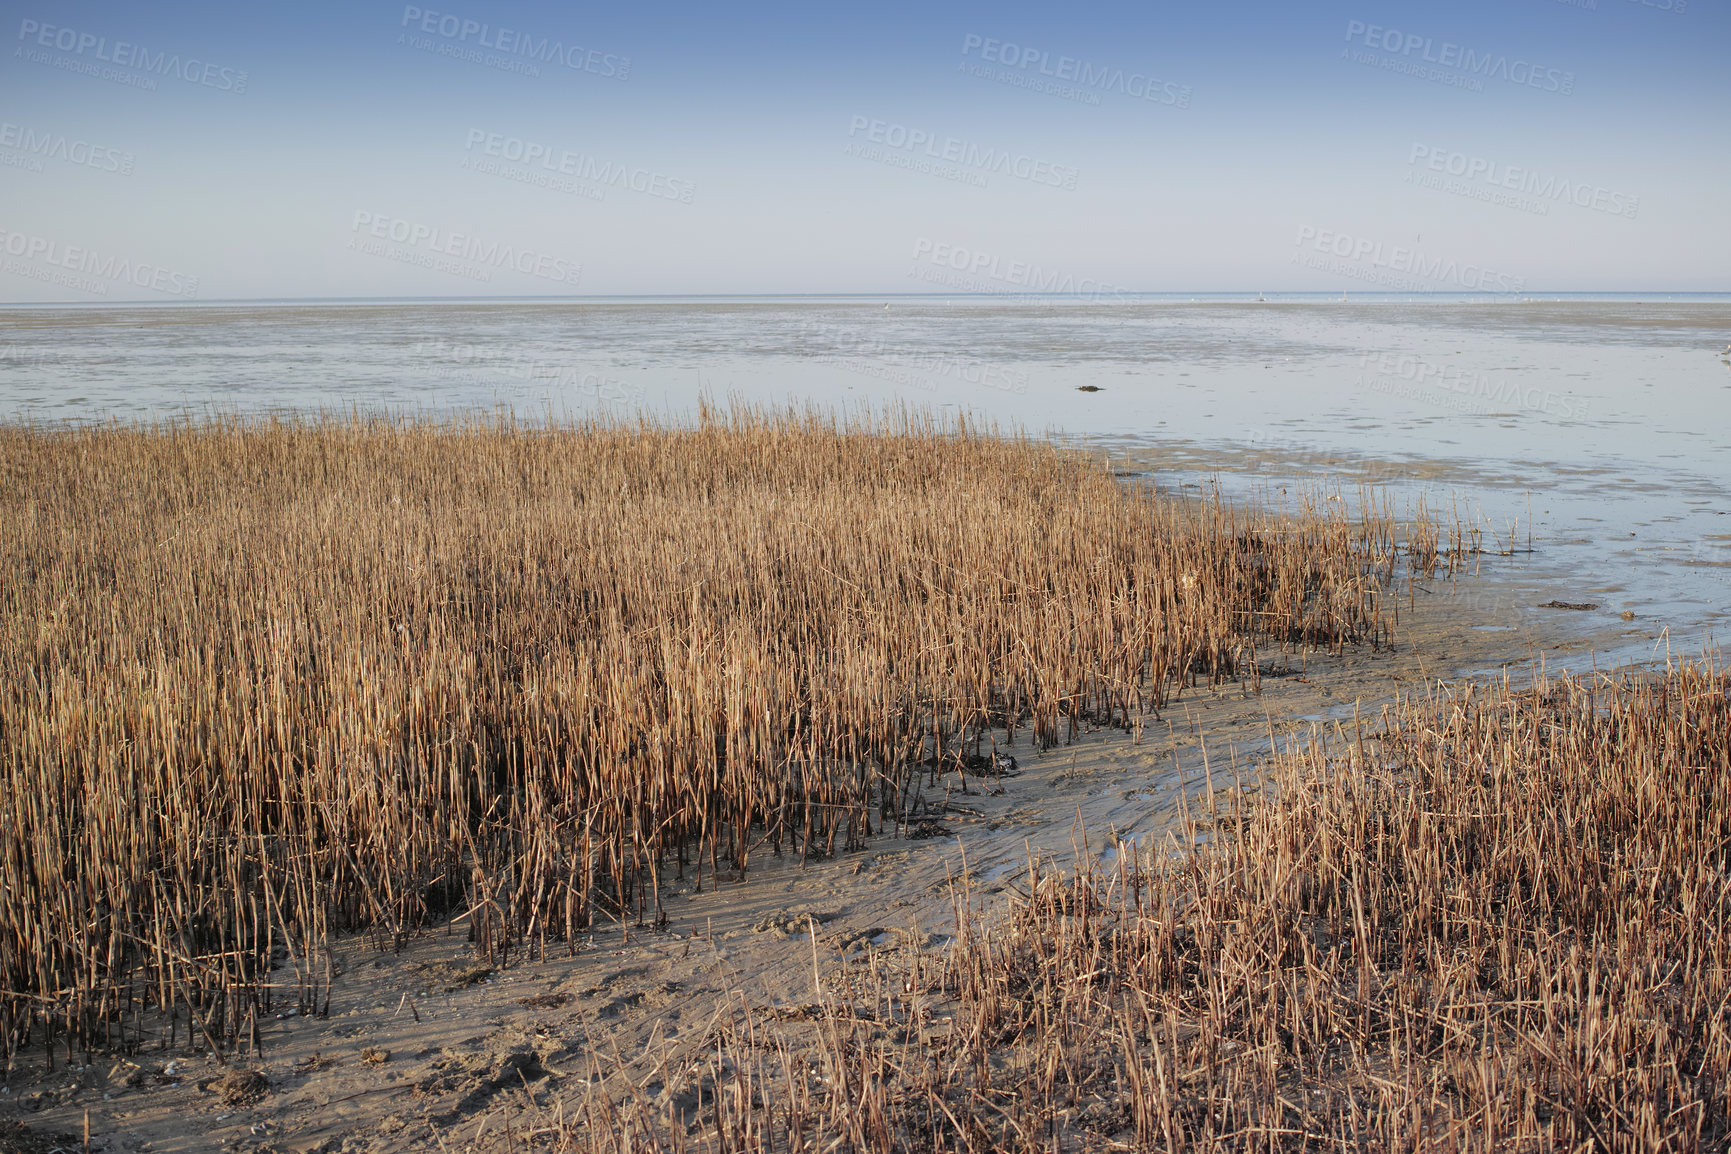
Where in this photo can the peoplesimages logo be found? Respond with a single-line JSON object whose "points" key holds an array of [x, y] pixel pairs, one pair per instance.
{"points": [[1067, 77], [962, 269], [1414, 378], [86, 269], [497, 46], [456, 253], [871, 354], [1522, 187], [120, 61], [16, 356], [564, 170], [1445, 62], [950, 157], [28, 147], [1395, 267], [486, 366]]}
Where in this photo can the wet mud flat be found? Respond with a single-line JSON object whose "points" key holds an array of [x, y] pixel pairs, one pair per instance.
{"points": [[430, 1047]]}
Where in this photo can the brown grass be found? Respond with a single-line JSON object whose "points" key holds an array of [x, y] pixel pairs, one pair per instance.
{"points": [[1494, 921], [261, 682]]}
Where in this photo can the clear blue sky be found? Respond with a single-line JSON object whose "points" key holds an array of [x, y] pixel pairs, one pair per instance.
{"points": [[375, 149]]}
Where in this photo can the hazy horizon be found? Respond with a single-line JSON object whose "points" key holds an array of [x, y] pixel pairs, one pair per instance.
{"points": [[395, 151], [1169, 296]]}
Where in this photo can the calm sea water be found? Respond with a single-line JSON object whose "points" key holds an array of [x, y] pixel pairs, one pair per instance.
{"points": [[1599, 425]]}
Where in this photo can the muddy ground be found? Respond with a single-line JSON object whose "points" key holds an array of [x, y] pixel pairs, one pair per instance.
{"points": [[427, 1049]]}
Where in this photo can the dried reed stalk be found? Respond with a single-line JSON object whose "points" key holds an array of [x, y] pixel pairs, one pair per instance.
{"points": [[1497, 920], [265, 681]]}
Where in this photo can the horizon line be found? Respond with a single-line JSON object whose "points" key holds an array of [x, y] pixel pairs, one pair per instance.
{"points": [[1255, 295]]}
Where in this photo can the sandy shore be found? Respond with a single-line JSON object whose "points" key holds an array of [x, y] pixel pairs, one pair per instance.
{"points": [[426, 1049]]}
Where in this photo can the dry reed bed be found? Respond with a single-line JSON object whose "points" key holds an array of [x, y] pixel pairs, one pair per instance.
{"points": [[1494, 921], [263, 681]]}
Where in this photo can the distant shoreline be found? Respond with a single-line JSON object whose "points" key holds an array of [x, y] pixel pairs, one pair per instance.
{"points": [[1304, 296]]}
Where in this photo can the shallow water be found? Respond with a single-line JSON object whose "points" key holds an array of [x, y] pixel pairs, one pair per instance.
{"points": [[1608, 417]]}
